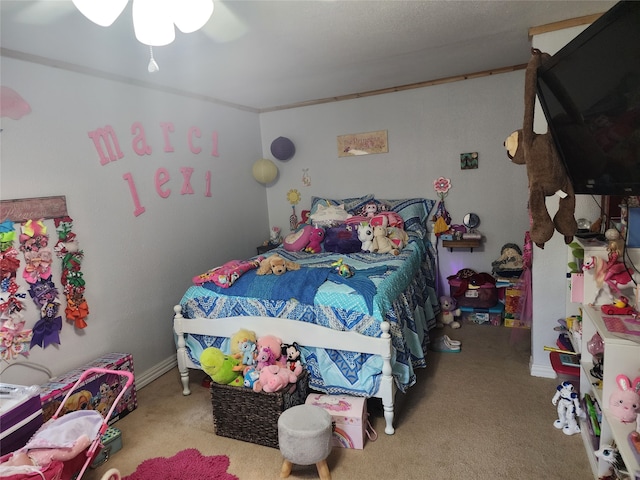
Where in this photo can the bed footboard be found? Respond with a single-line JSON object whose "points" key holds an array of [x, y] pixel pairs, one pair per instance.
{"points": [[290, 331]]}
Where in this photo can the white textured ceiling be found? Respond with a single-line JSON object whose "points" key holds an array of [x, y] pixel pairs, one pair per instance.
{"points": [[267, 54]]}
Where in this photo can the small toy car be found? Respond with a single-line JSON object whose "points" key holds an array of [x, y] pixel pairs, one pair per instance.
{"points": [[614, 309]]}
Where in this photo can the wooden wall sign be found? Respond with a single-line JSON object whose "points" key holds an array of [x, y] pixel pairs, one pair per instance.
{"points": [[23, 209], [362, 143]]}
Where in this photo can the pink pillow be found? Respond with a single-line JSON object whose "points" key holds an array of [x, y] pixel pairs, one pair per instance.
{"points": [[392, 218]]}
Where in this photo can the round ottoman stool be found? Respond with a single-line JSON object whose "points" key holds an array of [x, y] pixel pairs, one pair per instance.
{"points": [[304, 437]]}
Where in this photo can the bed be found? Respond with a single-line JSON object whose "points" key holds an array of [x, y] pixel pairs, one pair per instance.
{"points": [[363, 336]]}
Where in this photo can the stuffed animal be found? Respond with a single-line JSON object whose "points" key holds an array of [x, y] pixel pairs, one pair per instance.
{"points": [[547, 175], [275, 378], [381, 243], [274, 344], [221, 367], [370, 209], [277, 265], [398, 236], [237, 339], [225, 275], [264, 358], [448, 312], [315, 240], [248, 349], [365, 235], [624, 403], [251, 376], [292, 355], [298, 240]]}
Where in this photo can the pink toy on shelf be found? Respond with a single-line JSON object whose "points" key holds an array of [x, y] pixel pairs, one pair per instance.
{"points": [[624, 403]]}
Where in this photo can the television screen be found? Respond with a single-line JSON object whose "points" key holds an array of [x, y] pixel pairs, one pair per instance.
{"points": [[590, 94]]}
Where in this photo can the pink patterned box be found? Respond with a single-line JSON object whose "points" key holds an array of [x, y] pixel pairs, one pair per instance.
{"points": [[349, 416]]}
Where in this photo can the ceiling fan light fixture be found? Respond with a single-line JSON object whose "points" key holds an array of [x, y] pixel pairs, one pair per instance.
{"points": [[101, 12], [153, 22], [191, 15]]}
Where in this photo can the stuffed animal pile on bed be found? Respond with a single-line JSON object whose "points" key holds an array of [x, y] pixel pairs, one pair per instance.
{"points": [[332, 229], [262, 364]]}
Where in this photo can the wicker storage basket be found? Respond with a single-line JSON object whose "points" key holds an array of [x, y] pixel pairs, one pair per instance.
{"points": [[250, 416]]}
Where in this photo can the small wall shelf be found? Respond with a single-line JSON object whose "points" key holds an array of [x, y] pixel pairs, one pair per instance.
{"points": [[469, 243]]}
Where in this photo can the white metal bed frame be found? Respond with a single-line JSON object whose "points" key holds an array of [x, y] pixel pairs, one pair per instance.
{"points": [[305, 334]]}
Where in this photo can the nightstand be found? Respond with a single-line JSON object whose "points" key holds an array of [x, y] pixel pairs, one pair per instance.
{"points": [[265, 248]]}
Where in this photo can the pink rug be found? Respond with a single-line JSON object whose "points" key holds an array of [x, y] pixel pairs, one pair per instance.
{"points": [[187, 464]]}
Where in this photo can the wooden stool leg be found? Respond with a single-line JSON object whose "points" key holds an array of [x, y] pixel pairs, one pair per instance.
{"points": [[323, 470], [286, 468]]}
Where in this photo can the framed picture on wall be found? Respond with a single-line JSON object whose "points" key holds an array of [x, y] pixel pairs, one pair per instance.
{"points": [[362, 143], [469, 161]]}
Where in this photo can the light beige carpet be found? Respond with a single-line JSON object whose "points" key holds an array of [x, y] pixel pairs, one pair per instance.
{"points": [[477, 414]]}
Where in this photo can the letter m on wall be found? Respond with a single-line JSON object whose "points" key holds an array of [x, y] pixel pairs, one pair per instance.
{"points": [[106, 139]]}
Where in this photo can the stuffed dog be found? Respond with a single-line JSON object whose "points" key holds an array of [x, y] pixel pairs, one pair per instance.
{"points": [[277, 265]]}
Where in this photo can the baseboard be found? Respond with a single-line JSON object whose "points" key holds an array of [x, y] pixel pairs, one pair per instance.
{"points": [[545, 371], [156, 371]]}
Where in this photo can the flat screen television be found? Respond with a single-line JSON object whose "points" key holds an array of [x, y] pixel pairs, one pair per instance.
{"points": [[590, 95]]}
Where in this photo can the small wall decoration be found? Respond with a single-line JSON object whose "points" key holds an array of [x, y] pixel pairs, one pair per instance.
{"points": [[362, 143], [293, 197], [469, 161], [441, 218], [12, 105]]}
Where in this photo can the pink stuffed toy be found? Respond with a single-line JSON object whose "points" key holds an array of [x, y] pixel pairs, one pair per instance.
{"points": [[298, 241], [275, 378], [274, 344], [225, 275], [625, 402], [264, 358], [315, 240]]}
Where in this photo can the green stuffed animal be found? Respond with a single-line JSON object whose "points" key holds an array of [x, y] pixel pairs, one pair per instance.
{"points": [[221, 367]]}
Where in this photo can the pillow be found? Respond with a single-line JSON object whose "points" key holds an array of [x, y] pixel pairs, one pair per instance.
{"points": [[329, 216], [351, 205], [414, 212], [342, 239]]}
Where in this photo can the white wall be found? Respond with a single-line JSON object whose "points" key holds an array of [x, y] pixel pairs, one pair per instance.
{"points": [[428, 129], [135, 268], [550, 285]]}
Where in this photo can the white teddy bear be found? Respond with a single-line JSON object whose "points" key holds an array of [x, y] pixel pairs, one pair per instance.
{"points": [[365, 235], [448, 312]]}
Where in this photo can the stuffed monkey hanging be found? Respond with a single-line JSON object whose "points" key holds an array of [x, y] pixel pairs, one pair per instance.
{"points": [[545, 170]]}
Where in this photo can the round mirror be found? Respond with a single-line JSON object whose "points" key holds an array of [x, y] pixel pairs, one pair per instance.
{"points": [[471, 220]]}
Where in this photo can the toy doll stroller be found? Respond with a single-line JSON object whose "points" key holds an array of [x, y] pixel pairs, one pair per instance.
{"points": [[65, 446]]}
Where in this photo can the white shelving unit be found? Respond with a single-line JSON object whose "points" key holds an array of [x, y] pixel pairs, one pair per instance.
{"points": [[620, 357]]}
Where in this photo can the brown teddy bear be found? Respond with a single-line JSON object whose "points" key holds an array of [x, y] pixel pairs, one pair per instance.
{"points": [[545, 170], [277, 265]]}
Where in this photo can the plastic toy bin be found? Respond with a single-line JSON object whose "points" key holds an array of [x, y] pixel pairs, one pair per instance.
{"points": [[483, 316]]}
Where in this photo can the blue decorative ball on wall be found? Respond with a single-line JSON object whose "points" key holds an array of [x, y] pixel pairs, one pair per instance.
{"points": [[282, 148]]}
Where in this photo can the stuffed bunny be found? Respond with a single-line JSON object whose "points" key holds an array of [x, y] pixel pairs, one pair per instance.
{"points": [[625, 402]]}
